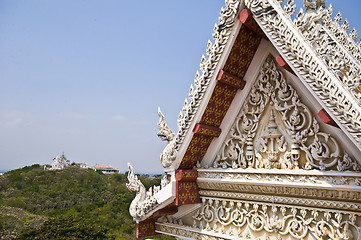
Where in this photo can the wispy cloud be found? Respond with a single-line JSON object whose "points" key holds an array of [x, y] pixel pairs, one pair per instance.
{"points": [[118, 118], [14, 122], [14, 119], [74, 115]]}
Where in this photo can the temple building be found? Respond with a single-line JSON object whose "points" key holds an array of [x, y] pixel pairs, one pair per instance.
{"points": [[59, 163], [269, 141]]}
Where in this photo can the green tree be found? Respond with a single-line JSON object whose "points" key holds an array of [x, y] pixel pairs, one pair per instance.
{"points": [[69, 227]]}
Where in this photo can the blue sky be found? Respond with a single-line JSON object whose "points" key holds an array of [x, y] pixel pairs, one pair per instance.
{"points": [[86, 77]]}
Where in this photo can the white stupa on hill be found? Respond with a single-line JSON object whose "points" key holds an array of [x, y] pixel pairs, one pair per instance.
{"points": [[59, 163]]}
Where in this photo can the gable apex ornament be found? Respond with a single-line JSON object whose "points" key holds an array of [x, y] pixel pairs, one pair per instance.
{"points": [[314, 5], [275, 129]]}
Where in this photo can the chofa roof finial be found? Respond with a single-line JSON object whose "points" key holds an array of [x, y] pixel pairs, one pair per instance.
{"points": [[135, 185], [165, 133], [314, 5], [169, 153]]}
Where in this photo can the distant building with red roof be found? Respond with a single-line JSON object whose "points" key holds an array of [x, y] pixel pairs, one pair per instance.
{"points": [[83, 165], [106, 169]]}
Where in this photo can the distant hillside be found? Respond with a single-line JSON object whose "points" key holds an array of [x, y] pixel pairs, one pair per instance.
{"points": [[73, 203]]}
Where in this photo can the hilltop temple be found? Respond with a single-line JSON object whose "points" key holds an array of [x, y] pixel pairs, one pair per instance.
{"points": [[59, 163], [269, 142]]}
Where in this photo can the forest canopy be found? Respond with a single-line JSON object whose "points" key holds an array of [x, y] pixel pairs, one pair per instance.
{"points": [[73, 203]]}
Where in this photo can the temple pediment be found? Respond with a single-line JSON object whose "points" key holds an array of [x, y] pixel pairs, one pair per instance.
{"points": [[276, 130], [269, 140]]}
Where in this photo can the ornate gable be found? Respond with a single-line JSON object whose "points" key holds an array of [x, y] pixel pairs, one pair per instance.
{"points": [[320, 51], [275, 130], [251, 158], [276, 176]]}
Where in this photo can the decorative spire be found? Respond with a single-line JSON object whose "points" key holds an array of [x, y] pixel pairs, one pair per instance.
{"points": [[63, 156], [272, 130], [314, 5]]}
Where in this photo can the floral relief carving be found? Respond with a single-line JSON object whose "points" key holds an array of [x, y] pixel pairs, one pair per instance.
{"points": [[324, 55], [302, 176], [328, 38], [274, 129], [183, 231], [275, 132], [310, 191], [283, 200], [237, 217], [331, 43]]}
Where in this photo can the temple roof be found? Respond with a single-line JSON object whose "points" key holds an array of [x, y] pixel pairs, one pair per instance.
{"points": [[311, 47], [320, 50]]}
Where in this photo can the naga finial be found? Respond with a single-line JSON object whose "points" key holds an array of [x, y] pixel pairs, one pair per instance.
{"points": [[134, 184], [169, 153], [165, 133]]}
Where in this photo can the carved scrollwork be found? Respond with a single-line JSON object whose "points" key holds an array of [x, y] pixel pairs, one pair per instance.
{"points": [[283, 200], [335, 48], [184, 231], [274, 129], [314, 5], [319, 26], [290, 8], [330, 40], [237, 217], [285, 176]]}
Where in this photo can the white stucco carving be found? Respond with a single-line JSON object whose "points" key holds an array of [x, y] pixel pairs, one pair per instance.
{"points": [[169, 153], [144, 201], [283, 200], [325, 56], [237, 217], [276, 130], [221, 34], [185, 232], [313, 5], [334, 46], [135, 185], [289, 177], [219, 218]]}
